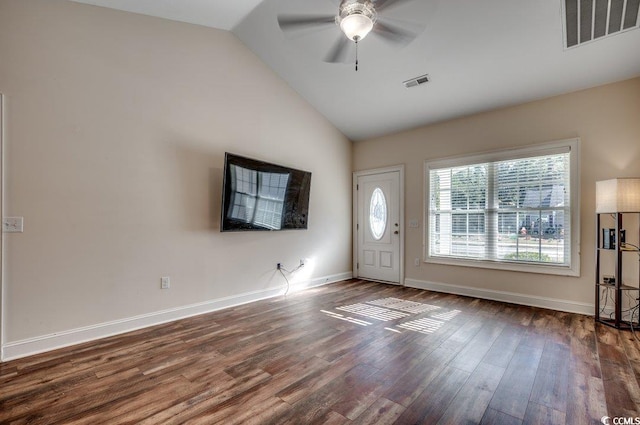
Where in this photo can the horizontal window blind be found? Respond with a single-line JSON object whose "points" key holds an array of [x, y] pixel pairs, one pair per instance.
{"points": [[512, 210]]}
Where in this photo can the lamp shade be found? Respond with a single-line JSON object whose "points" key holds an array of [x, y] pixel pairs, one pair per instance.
{"points": [[356, 26], [618, 195]]}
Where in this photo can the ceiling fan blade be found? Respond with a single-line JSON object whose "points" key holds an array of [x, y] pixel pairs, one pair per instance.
{"points": [[294, 22], [386, 4], [393, 33], [337, 52]]}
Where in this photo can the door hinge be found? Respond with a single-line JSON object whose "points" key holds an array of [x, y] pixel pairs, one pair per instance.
{"points": [[357, 187], [357, 226], [358, 266]]}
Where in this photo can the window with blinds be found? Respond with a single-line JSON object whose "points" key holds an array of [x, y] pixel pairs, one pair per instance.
{"points": [[510, 208]]}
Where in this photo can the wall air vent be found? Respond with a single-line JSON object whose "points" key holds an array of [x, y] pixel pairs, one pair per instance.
{"points": [[415, 82], [588, 20]]}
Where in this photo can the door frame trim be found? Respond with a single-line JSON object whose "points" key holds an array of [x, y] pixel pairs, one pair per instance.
{"points": [[3, 333], [356, 174]]}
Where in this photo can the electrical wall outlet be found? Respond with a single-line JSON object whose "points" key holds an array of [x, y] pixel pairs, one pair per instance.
{"points": [[165, 282], [13, 224], [416, 262]]}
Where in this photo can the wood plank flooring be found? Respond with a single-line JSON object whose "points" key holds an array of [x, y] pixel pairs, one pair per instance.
{"points": [[353, 352]]}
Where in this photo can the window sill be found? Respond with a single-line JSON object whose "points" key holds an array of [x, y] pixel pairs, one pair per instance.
{"points": [[516, 267]]}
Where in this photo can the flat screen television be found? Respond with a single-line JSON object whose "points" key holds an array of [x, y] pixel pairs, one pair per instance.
{"points": [[257, 195]]}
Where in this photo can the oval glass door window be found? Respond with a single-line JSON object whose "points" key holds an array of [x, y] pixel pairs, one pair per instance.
{"points": [[378, 214]]}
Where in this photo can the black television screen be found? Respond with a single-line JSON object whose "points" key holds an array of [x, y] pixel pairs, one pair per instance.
{"points": [[257, 195]]}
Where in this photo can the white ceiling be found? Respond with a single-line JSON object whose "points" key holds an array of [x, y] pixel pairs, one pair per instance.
{"points": [[222, 14], [480, 55]]}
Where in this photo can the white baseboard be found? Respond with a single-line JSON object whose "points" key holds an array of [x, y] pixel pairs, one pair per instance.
{"points": [[509, 297], [40, 344], [322, 281]]}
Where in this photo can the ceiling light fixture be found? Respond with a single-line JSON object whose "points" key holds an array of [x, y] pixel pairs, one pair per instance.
{"points": [[356, 20]]}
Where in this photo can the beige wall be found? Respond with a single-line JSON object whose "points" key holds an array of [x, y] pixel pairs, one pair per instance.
{"points": [[117, 126], [605, 118]]}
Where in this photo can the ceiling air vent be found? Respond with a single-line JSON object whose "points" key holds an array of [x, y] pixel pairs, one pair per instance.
{"points": [[415, 82], [588, 20]]}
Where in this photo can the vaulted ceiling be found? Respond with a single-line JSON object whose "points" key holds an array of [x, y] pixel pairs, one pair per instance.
{"points": [[479, 55]]}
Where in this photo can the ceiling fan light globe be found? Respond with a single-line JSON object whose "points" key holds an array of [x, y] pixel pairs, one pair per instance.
{"points": [[356, 26]]}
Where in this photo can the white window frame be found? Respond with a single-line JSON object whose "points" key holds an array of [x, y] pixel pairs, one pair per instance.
{"points": [[560, 146]]}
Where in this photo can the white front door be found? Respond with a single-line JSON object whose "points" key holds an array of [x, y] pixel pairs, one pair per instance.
{"points": [[378, 225]]}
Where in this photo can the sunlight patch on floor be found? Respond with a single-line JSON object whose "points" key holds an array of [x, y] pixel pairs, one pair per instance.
{"points": [[346, 318], [373, 312], [404, 305], [426, 325], [446, 315], [396, 309]]}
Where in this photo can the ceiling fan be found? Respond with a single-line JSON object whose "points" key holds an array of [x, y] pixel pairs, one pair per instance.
{"points": [[356, 19]]}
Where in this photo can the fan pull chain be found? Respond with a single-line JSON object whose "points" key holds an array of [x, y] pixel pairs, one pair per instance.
{"points": [[356, 40]]}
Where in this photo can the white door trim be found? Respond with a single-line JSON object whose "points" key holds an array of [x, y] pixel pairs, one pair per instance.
{"points": [[2, 289], [356, 174]]}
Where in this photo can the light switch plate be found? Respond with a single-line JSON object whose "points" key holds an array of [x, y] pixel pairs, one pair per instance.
{"points": [[414, 224], [13, 224], [165, 282]]}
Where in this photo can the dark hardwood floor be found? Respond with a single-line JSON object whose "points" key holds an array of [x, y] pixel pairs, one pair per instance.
{"points": [[353, 352]]}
